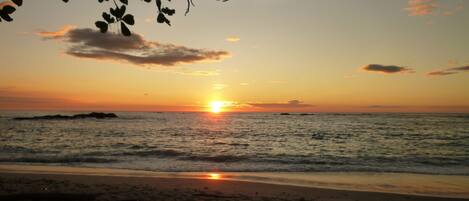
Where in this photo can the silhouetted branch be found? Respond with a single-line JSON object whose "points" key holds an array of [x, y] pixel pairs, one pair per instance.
{"points": [[116, 15]]}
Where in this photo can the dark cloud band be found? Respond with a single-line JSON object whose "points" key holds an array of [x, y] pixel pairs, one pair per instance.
{"points": [[388, 69], [290, 104], [91, 44], [449, 71]]}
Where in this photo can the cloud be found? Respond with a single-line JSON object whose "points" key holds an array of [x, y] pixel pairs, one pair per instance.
{"points": [[289, 104], [391, 69], [6, 3], [204, 73], [56, 34], [433, 7], [384, 106], [233, 39], [91, 44], [449, 71], [421, 7], [219, 86]]}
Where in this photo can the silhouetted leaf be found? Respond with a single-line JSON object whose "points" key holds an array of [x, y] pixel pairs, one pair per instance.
{"points": [[113, 11], [129, 19], [120, 12], [125, 30], [18, 2], [108, 18], [126, 2], [162, 19], [8, 9], [168, 11], [103, 26], [5, 16]]}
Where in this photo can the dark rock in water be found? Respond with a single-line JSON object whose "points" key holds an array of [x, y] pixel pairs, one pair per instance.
{"points": [[284, 113], [96, 115], [306, 114]]}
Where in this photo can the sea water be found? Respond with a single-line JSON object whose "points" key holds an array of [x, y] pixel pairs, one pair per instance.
{"points": [[243, 142]]}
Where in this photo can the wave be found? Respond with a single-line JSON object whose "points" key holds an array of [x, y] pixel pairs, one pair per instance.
{"points": [[147, 153], [58, 160], [217, 158], [182, 156]]}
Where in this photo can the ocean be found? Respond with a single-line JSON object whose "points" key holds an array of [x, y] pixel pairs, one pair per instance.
{"points": [[243, 142]]}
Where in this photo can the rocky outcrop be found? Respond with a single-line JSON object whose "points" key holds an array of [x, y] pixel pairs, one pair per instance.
{"points": [[95, 115]]}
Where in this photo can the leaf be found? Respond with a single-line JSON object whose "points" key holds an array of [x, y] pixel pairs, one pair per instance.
{"points": [[162, 19], [126, 2], [103, 26], [125, 30], [8, 9], [168, 11], [120, 12], [5, 16], [114, 11], [108, 18], [18, 2], [129, 19]]}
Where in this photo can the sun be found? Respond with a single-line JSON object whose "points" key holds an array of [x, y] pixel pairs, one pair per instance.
{"points": [[216, 106], [214, 176]]}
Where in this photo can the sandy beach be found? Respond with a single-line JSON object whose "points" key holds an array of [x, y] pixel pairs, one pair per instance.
{"points": [[67, 183]]}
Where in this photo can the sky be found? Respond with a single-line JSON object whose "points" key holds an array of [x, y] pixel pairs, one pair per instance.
{"points": [[245, 55]]}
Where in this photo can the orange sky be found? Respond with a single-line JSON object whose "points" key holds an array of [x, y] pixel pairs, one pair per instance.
{"points": [[323, 56]]}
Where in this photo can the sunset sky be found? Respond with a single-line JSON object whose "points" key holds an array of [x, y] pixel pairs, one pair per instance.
{"points": [[250, 55]]}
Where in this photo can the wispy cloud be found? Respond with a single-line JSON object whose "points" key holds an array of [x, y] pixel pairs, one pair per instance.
{"points": [[384, 106], [449, 71], [288, 105], [233, 39], [387, 69], [219, 86], [433, 7], [207, 73], [5, 3], [421, 7], [56, 34], [91, 44]]}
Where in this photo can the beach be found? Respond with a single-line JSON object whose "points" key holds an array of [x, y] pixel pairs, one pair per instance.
{"points": [[22, 182]]}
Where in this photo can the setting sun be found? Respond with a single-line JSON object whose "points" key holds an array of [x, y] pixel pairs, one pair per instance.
{"points": [[214, 176], [216, 106]]}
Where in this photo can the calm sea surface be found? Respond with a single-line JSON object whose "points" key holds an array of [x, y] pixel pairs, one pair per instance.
{"points": [[413, 143]]}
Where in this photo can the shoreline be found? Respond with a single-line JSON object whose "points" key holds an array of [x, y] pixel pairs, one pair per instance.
{"points": [[389, 185]]}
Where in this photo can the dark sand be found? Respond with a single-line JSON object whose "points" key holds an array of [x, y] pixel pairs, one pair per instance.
{"points": [[22, 186]]}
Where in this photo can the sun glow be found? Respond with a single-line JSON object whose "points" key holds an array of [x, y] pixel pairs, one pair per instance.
{"points": [[214, 176], [216, 106]]}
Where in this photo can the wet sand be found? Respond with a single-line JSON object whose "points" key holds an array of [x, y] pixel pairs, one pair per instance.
{"points": [[80, 184]]}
